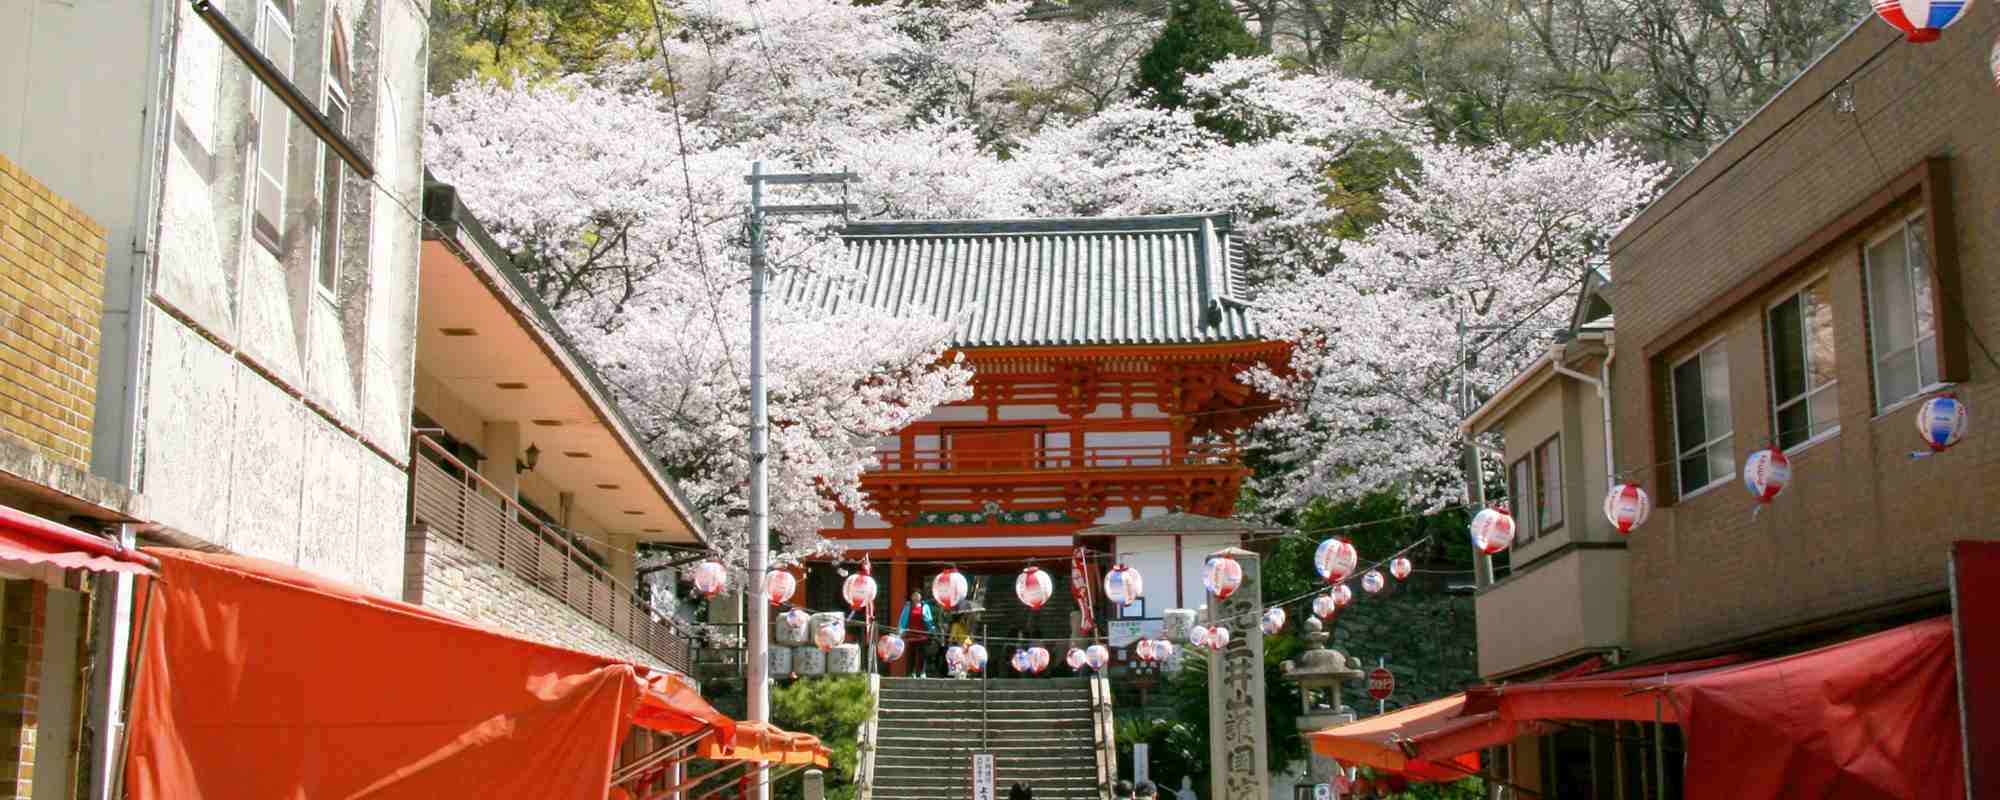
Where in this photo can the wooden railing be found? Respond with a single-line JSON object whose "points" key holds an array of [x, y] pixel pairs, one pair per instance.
{"points": [[964, 459], [471, 511]]}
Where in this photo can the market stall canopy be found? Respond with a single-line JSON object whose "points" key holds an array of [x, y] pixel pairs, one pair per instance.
{"points": [[31, 539], [1875, 716], [1376, 742], [764, 743], [259, 680]]}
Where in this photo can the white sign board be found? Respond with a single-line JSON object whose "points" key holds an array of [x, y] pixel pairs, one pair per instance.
{"points": [[1322, 791], [1141, 770], [982, 776]]}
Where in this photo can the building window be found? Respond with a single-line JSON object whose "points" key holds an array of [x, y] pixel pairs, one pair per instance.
{"points": [[1527, 502], [332, 170], [1703, 455], [1804, 401], [273, 123], [1549, 484], [1902, 328]]}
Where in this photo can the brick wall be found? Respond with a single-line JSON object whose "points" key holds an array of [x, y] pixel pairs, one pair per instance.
{"points": [[1863, 528], [52, 260], [21, 615], [455, 579]]}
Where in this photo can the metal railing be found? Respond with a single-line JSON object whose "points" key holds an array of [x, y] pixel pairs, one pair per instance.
{"points": [[969, 459], [471, 511]]}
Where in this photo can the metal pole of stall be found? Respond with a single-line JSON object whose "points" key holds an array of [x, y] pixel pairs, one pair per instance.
{"points": [[1660, 746], [137, 659]]}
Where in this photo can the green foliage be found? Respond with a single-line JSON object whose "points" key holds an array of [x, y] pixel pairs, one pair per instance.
{"points": [[832, 708], [1198, 34], [533, 39]]}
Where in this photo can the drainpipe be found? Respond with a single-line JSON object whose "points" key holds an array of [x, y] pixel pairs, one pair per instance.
{"points": [[1602, 383]]}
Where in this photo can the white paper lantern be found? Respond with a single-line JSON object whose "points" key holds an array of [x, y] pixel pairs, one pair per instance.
{"points": [[1766, 472], [1123, 586], [1097, 656], [779, 586], [948, 588], [1022, 662], [1325, 606], [794, 627], [1400, 568], [1942, 419], [1198, 636], [711, 578], [1372, 582], [975, 658], [1492, 530], [1342, 595], [1222, 577], [954, 658], [829, 634], [1336, 559], [1034, 586], [1274, 620], [1627, 506], [1163, 650], [1218, 638], [859, 590], [1076, 659], [889, 648]]}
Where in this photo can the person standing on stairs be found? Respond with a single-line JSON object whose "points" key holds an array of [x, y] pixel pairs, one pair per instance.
{"points": [[1020, 792], [918, 630]]}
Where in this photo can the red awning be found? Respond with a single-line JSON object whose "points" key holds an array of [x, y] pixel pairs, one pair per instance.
{"points": [[260, 680], [31, 539], [1377, 742], [1871, 717]]}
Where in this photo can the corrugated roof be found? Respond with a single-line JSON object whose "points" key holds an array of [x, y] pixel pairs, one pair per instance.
{"points": [[1082, 281]]}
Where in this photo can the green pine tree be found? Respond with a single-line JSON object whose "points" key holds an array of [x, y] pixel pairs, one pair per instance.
{"points": [[1198, 34]]}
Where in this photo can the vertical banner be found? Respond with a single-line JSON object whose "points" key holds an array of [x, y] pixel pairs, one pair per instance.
{"points": [[1079, 588], [982, 776], [1142, 769], [1975, 618]]}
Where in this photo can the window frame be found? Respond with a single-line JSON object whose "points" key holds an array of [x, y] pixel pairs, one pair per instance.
{"points": [[1523, 494], [1681, 490], [1777, 407], [326, 236], [267, 108], [1913, 228], [1553, 445]]}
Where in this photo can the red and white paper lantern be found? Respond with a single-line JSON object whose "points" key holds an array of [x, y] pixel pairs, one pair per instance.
{"points": [[1335, 559], [858, 590], [1222, 577], [1274, 620], [779, 586], [829, 634], [1400, 568], [1766, 472], [954, 658], [1492, 530], [1921, 20], [1096, 656], [1198, 636], [1162, 650], [1034, 586], [1039, 657], [1627, 507], [1218, 638], [1123, 586], [949, 588], [889, 647], [1341, 595], [975, 658], [1076, 659], [1373, 581], [711, 578], [1325, 606]]}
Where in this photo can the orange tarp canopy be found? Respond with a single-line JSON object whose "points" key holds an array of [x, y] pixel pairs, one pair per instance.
{"points": [[1374, 742], [757, 741], [263, 681]]}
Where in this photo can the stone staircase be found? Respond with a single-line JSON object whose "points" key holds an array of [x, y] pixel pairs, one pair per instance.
{"points": [[1041, 731]]}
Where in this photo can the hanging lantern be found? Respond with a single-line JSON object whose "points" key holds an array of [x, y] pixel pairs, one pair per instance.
{"points": [[1342, 595], [948, 588], [1143, 650], [1627, 506], [1038, 657], [859, 590], [1020, 662], [954, 658], [1325, 605], [830, 634], [1096, 656], [1942, 418], [1162, 650], [889, 648], [795, 627], [779, 586], [1123, 586], [1218, 638], [1034, 587], [1492, 530], [975, 658], [710, 578], [1198, 636], [1400, 568], [1076, 658], [1921, 20], [1993, 61], [1222, 577], [1373, 581], [1335, 559], [1274, 620], [1766, 472]]}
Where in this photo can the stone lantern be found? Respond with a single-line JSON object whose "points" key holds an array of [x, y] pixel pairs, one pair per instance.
{"points": [[1319, 671]]}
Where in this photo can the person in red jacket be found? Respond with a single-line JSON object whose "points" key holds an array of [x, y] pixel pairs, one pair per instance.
{"points": [[919, 625]]}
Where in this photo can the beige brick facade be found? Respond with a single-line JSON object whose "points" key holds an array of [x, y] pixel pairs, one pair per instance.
{"points": [[52, 261], [22, 612], [1862, 533]]}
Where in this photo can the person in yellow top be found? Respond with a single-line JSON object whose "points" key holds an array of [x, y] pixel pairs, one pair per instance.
{"points": [[961, 630]]}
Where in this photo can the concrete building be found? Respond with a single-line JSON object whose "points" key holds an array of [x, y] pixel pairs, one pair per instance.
{"points": [[1806, 286]]}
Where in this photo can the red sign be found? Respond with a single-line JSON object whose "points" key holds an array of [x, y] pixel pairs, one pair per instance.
{"points": [[1381, 683]]}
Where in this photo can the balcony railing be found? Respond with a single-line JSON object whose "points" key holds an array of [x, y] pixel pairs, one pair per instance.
{"points": [[466, 509], [965, 459]]}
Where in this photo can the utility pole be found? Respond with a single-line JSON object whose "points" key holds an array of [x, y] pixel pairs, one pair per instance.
{"points": [[757, 631], [1475, 473]]}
